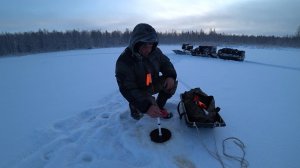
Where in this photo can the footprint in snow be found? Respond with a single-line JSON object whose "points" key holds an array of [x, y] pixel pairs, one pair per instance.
{"points": [[183, 162], [105, 115], [86, 157]]}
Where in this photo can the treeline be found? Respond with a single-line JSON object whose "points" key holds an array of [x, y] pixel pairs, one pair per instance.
{"points": [[215, 38], [45, 41]]}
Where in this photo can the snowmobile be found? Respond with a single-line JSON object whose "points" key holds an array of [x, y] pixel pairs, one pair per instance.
{"points": [[204, 51], [186, 49], [231, 54], [211, 51]]}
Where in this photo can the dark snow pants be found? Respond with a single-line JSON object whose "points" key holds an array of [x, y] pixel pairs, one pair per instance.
{"points": [[163, 93]]}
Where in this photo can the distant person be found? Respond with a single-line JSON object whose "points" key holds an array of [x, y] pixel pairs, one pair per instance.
{"points": [[138, 75]]}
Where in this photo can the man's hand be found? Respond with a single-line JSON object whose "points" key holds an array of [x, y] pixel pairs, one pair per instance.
{"points": [[154, 111], [169, 83]]}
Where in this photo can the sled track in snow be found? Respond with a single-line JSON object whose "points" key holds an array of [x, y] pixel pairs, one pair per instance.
{"points": [[273, 65]]}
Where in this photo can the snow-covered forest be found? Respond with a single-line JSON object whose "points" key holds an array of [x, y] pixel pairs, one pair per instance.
{"points": [[45, 41]]}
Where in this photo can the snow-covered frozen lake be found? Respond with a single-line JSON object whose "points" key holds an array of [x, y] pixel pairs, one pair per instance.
{"points": [[63, 109]]}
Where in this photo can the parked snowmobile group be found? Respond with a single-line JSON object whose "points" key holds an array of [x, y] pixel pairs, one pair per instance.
{"points": [[211, 51]]}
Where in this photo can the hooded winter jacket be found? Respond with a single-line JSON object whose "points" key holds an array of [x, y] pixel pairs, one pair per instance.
{"points": [[132, 68]]}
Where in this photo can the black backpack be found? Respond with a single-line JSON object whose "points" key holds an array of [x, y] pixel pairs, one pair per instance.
{"points": [[199, 108]]}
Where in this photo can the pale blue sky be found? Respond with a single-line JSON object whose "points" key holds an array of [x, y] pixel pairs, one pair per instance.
{"points": [[251, 17]]}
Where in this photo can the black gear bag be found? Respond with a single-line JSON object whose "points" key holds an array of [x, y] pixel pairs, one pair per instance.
{"points": [[199, 110]]}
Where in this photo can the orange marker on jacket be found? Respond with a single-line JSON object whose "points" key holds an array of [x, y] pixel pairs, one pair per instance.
{"points": [[148, 79]]}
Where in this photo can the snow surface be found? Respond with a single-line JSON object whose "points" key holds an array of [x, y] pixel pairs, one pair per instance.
{"points": [[63, 109]]}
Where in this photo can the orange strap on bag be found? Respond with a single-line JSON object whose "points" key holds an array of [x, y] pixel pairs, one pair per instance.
{"points": [[199, 103], [148, 79], [202, 105]]}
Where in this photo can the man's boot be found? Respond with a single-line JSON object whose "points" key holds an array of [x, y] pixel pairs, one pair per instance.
{"points": [[161, 101], [135, 113]]}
